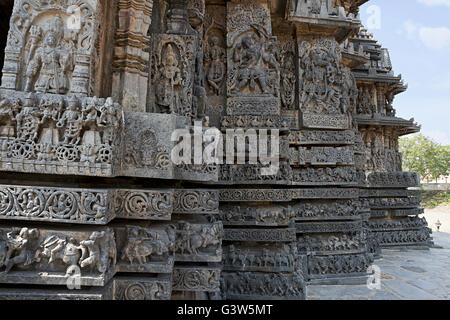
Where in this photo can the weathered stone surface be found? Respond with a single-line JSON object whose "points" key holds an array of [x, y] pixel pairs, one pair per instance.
{"points": [[265, 286], [264, 235], [196, 201], [86, 206], [47, 256], [46, 133], [144, 204], [135, 288], [100, 89], [196, 279], [144, 249]]}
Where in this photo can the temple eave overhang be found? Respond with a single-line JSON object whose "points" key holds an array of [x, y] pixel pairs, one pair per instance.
{"points": [[399, 124]]}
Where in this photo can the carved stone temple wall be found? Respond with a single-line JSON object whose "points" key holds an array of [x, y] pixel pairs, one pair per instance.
{"points": [[92, 205], [394, 209]]}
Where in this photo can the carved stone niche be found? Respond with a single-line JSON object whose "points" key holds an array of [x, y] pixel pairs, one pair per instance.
{"points": [[328, 91], [84, 206], [264, 258], [215, 62], [251, 215], [51, 46], [263, 286], [53, 256], [172, 74], [252, 57], [142, 288], [57, 134], [145, 248], [322, 17], [198, 242]]}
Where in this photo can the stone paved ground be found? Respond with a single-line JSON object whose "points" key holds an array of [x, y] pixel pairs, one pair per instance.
{"points": [[405, 275]]}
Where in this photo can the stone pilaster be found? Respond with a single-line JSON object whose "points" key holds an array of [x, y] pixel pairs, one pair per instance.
{"points": [[131, 54]]}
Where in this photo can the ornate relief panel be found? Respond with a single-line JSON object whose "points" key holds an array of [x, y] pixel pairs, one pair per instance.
{"points": [[253, 68], [55, 134], [172, 74], [327, 89], [50, 256], [50, 51]]}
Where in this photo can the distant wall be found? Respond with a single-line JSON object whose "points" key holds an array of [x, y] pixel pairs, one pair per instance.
{"points": [[436, 186]]}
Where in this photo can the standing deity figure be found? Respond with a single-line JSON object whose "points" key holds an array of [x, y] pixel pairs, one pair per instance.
{"points": [[247, 56], [50, 64], [109, 119], [72, 119], [167, 97], [27, 120], [216, 69]]}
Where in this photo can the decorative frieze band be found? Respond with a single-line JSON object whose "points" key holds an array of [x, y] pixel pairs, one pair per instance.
{"points": [[305, 137], [48, 256], [264, 286], [325, 193], [144, 204], [139, 288], [336, 210], [259, 122], [286, 195], [325, 176], [273, 215], [257, 195], [407, 212], [260, 235], [276, 258], [323, 266], [85, 206], [196, 279], [327, 227], [196, 201], [394, 203], [389, 193], [323, 121], [393, 179], [321, 156]]}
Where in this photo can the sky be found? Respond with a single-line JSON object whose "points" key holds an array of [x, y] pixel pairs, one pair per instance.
{"points": [[417, 34]]}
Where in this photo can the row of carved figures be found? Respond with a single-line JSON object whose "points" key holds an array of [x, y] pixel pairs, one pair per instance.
{"points": [[22, 248], [54, 127], [339, 264], [264, 258]]}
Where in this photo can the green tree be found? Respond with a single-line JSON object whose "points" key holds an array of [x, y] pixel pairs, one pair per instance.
{"points": [[424, 156]]}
